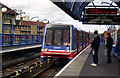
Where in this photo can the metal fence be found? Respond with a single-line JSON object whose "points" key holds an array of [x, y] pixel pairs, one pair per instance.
{"points": [[18, 39]]}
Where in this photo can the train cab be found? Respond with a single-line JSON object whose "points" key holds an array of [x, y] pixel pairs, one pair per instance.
{"points": [[61, 41]]}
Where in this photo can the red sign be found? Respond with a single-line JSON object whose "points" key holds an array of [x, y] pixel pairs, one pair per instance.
{"points": [[101, 11]]}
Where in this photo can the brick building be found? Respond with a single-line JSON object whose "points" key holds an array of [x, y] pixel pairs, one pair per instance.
{"points": [[7, 22], [19, 26]]}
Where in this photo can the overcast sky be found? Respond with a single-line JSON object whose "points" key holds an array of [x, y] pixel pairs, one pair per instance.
{"points": [[45, 9]]}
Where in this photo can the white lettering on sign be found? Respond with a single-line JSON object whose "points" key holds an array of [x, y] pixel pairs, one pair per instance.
{"points": [[57, 47]]}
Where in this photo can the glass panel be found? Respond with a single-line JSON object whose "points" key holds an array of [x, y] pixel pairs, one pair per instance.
{"points": [[80, 37], [75, 39], [48, 37], [66, 38], [57, 37]]}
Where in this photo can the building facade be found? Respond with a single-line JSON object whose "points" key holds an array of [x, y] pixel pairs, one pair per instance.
{"points": [[32, 27], [20, 24], [8, 21]]}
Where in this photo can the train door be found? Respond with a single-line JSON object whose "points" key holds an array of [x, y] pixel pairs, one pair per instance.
{"points": [[86, 38], [77, 42], [75, 39], [82, 39]]}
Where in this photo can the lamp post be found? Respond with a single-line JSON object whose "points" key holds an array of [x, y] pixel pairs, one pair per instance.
{"points": [[3, 9], [28, 25], [20, 14], [16, 16], [4, 17], [12, 20], [39, 25], [2, 25]]}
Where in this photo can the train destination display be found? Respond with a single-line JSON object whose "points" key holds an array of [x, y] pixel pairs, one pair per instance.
{"points": [[101, 16], [101, 11], [102, 19]]}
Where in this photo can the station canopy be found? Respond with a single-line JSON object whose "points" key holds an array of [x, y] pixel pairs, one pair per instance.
{"points": [[78, 11]]}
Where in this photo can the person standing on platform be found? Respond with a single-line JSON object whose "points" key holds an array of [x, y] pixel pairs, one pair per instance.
{"points": [[95, 47], [109, 47]]}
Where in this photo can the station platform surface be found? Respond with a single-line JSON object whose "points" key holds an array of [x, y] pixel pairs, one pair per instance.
{"points": [[80, 66], [19, 47]]}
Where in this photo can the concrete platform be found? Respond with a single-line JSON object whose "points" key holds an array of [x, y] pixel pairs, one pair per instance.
{"points": [[19, 47], [80, 66]]}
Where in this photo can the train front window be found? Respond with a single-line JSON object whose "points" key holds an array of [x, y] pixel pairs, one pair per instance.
{"points": [[48, 37], [58, 36]]}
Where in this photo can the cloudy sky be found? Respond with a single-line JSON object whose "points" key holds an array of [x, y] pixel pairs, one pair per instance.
{"points": [[45, 9]]}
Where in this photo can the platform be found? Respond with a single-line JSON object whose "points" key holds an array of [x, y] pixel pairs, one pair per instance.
{"points": [[19, 47], [80, 66]]}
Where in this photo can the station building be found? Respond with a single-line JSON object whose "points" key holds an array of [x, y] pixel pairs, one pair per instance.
{"points": [[7, 22], [19, 25], [32, 28]]}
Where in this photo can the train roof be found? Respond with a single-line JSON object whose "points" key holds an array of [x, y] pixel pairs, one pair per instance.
{"points": [[67, 25], [59, 24]]}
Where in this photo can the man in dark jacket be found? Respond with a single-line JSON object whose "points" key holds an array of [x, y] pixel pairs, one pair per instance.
{"points": [[109, 47], [95, 47]]}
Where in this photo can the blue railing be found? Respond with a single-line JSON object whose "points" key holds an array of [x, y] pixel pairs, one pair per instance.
{"points": [[18, 39]]}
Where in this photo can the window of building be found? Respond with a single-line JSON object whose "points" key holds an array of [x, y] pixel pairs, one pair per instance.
{"points": [[6, 27], [7, 17]]}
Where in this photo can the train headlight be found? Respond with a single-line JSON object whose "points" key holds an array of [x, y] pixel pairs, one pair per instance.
{"points": [[67, 51], [46, 50]]}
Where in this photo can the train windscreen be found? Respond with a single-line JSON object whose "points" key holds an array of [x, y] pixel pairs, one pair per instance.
{"points": [[57, 35]]}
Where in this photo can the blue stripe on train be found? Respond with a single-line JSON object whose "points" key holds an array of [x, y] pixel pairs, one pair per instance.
{"points": [[57, 47]]}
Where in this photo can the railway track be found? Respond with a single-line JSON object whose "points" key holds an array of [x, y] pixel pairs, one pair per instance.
{"points": [[47, 70], [19, 68], [52, 70], [35, 68]]}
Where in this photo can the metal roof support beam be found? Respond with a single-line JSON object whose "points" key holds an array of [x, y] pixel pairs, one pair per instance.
{"points": [[111, 4], [102, 6], [93, 4]]}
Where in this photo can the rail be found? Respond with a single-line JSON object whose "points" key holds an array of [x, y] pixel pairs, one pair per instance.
{"points": [[18, 39]]}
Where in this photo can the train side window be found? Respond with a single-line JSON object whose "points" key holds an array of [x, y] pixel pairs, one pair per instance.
{"points": [[75, 39], [80, 38], [84, 37], [66, 39]]}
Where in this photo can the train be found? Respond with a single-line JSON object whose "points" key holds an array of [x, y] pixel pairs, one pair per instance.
{"points": [[63, 41]]}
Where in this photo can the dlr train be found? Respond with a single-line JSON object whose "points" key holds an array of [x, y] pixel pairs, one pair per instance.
{"points": [[63, 41]]}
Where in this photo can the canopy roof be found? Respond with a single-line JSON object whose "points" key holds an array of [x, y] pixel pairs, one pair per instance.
{"points": [[74, 8]]}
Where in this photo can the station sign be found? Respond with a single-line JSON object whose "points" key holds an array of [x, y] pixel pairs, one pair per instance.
{"points": [[101, 11], [101, 19]]}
